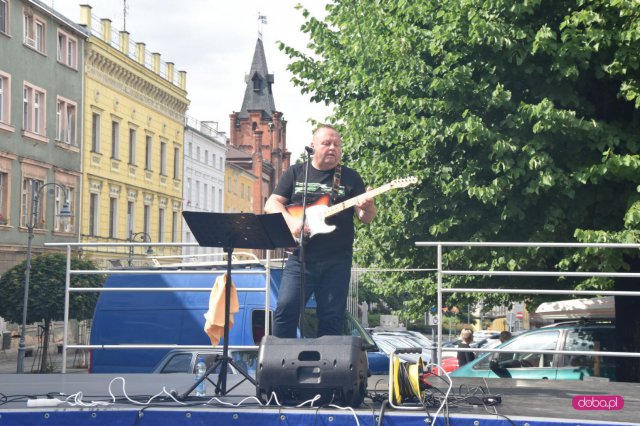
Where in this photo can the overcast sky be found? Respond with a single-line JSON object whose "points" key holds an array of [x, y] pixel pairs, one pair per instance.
{"points": [[213, 41]]}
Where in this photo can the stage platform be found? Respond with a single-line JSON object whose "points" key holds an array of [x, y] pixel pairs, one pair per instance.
{"points": [[524, 403]]}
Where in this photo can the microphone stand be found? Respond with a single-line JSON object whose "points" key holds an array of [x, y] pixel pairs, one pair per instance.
{"points": [[309, 151]]}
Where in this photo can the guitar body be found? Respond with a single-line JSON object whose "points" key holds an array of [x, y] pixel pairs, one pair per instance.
{"points": [[315, 216], [319, 210]]}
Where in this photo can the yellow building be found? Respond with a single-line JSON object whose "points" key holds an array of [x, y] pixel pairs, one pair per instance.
{"points": [[134, 110], [238, 182], [238, 189]]}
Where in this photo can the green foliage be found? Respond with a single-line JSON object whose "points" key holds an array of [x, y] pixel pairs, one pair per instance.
{"points": [[46, 290], [519, 118]]}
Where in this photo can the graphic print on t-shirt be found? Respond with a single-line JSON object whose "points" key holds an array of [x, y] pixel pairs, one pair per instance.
{"points": [[316, 190]]}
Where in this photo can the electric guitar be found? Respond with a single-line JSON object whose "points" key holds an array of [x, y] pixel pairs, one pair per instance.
{"points": [[319, 210]]}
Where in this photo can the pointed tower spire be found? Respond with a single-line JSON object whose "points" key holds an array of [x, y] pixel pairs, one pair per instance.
{"points": [[260, 131], [258, 95]]}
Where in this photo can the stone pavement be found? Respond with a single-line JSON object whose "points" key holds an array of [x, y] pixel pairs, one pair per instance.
{"points": [[75, 363]]}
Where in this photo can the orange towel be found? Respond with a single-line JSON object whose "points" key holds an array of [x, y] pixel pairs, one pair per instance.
{"points": [[214, 318]]}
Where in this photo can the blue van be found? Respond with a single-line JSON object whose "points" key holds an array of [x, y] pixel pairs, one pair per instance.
{"points": [[177, 318]]}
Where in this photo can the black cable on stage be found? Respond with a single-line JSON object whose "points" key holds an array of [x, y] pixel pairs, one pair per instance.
{"points": [[505, 417], [382, 410], [373, 412], [6, 399]]}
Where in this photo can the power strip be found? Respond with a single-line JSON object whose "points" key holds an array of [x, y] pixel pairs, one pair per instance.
{"points": [[44, 402]]}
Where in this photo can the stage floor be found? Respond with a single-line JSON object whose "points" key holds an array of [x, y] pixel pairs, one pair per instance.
{"points": [[530, 402]]}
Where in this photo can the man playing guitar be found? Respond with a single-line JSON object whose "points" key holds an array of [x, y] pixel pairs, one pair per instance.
{"points": [[328, 255]]}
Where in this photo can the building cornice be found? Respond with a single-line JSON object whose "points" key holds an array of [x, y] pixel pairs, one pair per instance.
{"points": [[109, 72]]}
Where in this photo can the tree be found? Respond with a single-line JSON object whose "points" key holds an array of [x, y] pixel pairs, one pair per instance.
{"points": [[520, 118], [46, 293]]}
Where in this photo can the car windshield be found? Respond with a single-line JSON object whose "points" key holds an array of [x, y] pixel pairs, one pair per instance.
{"points": [[389, 343], [546, 340], [351, 327], [417, 338]]}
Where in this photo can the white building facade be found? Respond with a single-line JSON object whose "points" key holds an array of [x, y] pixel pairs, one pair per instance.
{"points": [[205, 152]]}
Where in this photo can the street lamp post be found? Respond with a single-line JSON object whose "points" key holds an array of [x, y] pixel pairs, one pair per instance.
{"points": [[65, 214], [145, 238]]}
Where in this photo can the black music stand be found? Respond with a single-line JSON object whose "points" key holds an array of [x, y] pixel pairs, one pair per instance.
{"points": [[229, 231]]}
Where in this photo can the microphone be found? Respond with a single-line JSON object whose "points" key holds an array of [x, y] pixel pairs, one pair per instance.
{"points": [[309, 150]]}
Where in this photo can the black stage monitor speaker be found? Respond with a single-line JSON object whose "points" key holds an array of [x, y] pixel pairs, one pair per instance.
{"points": [[334, 367]]}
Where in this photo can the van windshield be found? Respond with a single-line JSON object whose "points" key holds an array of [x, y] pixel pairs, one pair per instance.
{"points": [[351, 327]]}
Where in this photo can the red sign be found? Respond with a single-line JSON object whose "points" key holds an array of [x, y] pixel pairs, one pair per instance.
{"points": [[519, 315]]}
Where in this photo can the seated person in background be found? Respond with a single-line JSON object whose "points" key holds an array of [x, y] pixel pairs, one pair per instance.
{"points": [[504, 336], [466, 335]]}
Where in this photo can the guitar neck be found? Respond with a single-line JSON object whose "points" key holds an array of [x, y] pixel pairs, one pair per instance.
{"points": [[346, 204]]}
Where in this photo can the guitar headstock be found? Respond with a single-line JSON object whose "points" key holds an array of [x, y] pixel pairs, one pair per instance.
{"points": [[404, 182]]}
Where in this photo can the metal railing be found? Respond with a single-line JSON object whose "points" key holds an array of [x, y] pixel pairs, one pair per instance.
{"points": [[439, 270], [441, 273], [150, 271]]}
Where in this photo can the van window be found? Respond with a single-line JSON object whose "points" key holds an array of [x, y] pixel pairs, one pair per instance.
{"points": [[257, 324]]}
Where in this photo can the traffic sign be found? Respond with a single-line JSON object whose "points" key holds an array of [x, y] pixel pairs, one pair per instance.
{"points": [[519, 315]]}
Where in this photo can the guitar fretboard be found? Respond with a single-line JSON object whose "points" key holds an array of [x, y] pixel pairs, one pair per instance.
{"points": [[337, 208]]}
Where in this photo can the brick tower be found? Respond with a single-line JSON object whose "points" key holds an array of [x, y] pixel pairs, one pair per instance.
{"points": [[260, 131]]}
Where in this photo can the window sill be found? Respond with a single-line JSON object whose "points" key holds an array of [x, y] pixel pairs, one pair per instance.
{"points": [[35, 49], [34, 136], [39, 231], [63, 234], [67, 147], [7, 127], [72, 68]]}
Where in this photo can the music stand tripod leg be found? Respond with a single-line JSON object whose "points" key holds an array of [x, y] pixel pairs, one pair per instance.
{"points": [[267, 231], [221, 387], [224, 360]]}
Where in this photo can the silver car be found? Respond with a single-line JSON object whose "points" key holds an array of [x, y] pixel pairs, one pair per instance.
{"points": [[184, 360]]}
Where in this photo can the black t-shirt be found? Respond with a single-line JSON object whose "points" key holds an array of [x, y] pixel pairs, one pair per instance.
{"points": [[339, 242]]}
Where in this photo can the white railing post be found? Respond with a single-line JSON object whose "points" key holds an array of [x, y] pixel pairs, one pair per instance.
{"points": [[67, 286], [439, 248]]}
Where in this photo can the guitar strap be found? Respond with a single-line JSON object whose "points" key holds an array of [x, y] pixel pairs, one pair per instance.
{"points": [[337, 174]]}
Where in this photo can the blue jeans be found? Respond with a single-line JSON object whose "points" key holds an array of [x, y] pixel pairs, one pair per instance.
{"points": [[328, 280]]}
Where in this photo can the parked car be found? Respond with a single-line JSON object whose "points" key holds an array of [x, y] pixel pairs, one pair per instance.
{"points": [[185, 360], [416, 336], [410, 337], [389, 343], [531, 365], [446, 353]]}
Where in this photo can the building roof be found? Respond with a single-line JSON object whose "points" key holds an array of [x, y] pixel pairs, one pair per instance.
{"points": [[258, 95], [234, 153], [79, 30]]}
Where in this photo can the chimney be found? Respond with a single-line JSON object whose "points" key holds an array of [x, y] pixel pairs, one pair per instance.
{"points": [[85, 16], [106, 30], [182, 80], [155, 62], [170, 69], [140, 52], [124, 42]]}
